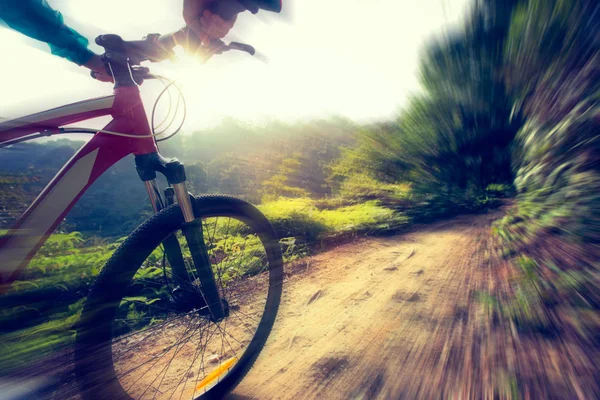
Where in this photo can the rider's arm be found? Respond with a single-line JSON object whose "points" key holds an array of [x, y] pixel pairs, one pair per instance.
{"points": [[36, 19]]}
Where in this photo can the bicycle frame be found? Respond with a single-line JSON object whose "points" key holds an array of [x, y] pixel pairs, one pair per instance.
{"points": [[32, 229]]}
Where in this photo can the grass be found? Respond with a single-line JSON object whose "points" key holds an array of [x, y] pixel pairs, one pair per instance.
{"points": [[40, 309], [302, 219]]}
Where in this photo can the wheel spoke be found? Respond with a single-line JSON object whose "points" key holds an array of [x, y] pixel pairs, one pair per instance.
{"points": [[158, 356]]}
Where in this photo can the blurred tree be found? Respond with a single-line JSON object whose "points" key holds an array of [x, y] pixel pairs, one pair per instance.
{"points": [[197, 177], [457, 135], [289, 181], [553, 58]]}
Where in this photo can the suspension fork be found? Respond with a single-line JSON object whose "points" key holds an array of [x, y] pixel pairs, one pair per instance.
{"points": [[170, 244], [192, 230], [174, 171]]}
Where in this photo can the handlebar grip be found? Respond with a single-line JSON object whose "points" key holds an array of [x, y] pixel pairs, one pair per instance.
{"points": [[168, 40]]}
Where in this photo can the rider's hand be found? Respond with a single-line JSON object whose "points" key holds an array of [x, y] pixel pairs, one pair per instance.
{"points": [[204, 23], [97, 67]]}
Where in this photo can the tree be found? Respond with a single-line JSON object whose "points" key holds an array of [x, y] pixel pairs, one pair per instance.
{"points": [[457, 135], [289, 180]]}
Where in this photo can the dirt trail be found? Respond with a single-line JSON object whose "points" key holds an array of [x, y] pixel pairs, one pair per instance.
{"points": [[383, 317], [400, 317]]}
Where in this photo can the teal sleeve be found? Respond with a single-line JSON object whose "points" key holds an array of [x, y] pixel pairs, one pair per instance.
{"points": [[36, 19]]}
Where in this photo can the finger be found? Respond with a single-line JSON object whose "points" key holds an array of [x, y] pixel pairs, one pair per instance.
{"points": [[211, 29], [224, 23], [101, 76], [221, 26], [219, 33], [204, 37], [104, 77], [208, 25], [204, 24], [228, 24], [196, 27]]}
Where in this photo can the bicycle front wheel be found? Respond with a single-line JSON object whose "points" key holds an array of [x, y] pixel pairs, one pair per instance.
{"points": [[142, 335]]}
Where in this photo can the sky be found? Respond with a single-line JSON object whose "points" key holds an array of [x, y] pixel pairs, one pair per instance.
{"points": [[352, 58]]}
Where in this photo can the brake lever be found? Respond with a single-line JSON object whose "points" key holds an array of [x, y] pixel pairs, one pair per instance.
{"points": [[242, 47], [188, 40], [217, 46]]}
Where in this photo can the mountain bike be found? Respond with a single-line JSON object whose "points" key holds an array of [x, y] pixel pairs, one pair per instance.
{"points": [[187, 301]]}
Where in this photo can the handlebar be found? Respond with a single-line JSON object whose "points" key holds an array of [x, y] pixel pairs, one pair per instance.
{"points": [[126, 56], [155, 47]]}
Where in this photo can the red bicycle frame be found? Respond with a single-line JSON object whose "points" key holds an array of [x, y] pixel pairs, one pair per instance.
{"points": [[32, 229]]}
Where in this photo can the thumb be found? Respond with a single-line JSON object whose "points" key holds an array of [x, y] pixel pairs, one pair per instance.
{"points": [[101, 76]]}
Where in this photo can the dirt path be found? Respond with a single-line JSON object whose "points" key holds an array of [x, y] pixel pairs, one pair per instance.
{"points": [[383, 317], [399, 317]]}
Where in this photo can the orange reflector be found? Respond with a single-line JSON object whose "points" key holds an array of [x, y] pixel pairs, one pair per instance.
{"points": [[216, 373]]}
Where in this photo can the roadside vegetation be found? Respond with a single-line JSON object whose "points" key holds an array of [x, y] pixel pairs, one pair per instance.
{"points": [[552, 232]]}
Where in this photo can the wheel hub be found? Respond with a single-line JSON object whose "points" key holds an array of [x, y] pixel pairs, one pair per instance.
{"points": [[185, 300]]}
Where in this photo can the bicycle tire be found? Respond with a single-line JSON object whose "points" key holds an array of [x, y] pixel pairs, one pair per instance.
{"points": [[96, 378]]}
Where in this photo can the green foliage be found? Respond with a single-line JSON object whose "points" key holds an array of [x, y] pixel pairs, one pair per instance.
{"points": [[61, 242], [300, 218], [363, 187], [22, 346], [294, 218], [292, 249], [288, 182], [499, 190], [548, 56], [367, 217], [552, 58], [40, 309]]}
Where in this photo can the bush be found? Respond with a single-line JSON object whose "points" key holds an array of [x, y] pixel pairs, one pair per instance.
{"points": [[294, 218], [499, 190], [363, 187], [300, 218]]}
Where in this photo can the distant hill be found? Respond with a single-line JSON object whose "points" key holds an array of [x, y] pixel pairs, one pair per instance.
{"points": [[232, 158]]}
